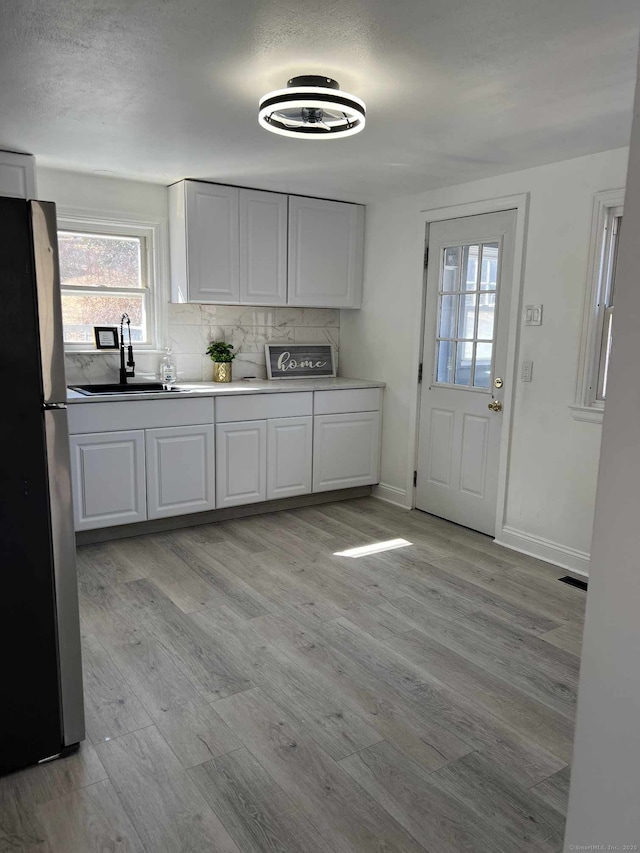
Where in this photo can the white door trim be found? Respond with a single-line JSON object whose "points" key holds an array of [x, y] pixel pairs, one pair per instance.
{"points": [[520, 204]]}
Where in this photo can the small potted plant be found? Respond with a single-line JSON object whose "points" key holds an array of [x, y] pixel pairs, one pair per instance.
{"points": [[221, 355]]}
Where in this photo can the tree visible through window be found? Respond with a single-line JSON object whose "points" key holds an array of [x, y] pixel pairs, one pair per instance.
{"points": [[102, 277]]}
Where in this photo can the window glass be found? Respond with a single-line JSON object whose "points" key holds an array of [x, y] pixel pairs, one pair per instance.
{"points": [[605, 307], [103, 276], [82, 312], [99, 260]]}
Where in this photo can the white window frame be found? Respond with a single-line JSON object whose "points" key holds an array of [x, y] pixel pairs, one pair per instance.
{"points": [[587, 407], [155, 265]]}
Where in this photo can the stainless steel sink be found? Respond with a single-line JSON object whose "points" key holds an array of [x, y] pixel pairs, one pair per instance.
{"points": [[129, 388]]}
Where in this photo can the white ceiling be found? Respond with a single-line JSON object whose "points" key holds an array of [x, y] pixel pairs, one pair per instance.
{"points": [[455, 89]]}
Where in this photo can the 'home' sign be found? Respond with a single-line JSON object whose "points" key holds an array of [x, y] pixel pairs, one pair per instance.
{"points": [[299, 361]]}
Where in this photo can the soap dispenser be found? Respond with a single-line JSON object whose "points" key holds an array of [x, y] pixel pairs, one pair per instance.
{"points": [[168, 369]]}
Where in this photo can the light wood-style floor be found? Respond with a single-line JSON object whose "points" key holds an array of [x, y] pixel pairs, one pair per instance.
{"points": [[249, 690]]}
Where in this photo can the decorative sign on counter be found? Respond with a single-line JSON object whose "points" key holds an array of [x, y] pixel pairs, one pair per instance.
{"points": [[299, 361]]}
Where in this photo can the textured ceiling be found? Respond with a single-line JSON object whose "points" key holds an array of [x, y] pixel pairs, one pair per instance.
{"points": [[455, 89]]}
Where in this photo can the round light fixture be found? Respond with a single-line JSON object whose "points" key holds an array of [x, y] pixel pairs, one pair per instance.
{"points": [[312, 107]]}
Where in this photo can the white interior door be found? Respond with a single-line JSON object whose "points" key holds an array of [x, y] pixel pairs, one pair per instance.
{"points": [[469, 279]]}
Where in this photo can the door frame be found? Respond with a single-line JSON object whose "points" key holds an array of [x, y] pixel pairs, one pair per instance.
{"points": [[519, 203]]}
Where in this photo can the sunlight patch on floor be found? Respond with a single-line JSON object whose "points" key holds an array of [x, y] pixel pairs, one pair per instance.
{"points": [[374, 548]]}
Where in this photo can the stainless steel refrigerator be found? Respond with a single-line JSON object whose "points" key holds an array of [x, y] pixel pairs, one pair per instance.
{"points": [[41, 707]]}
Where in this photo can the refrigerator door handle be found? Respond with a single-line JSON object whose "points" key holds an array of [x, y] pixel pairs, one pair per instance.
{"points": [[47, 269], [48, 407]]}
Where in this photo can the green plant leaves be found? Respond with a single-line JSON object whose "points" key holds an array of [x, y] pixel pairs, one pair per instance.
{"points": [[220, 351]]}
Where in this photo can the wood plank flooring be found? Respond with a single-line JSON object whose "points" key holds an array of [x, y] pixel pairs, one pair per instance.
{"points": [[249, 691]]}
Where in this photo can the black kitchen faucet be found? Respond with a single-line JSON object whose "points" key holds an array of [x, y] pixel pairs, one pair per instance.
{"points": [[130, 368]]}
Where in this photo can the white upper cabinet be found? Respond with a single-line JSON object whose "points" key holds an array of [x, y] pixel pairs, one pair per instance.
{"points": [[326, 241], [236, 246], [17, 175], [205, 248], [263, 248]]}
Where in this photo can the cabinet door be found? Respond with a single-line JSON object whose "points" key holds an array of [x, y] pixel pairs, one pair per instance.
{"points": [[108, 479], [289, 457], [263, 248], [326, 240], [17, 175], [180, 470], [213, 249], [346, 450], [241, 463]]}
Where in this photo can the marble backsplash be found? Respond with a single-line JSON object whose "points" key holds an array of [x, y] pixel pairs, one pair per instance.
{"points": [[193, 327]]}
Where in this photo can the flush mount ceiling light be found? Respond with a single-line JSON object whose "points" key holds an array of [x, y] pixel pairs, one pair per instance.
{"points": [[312, 107]]}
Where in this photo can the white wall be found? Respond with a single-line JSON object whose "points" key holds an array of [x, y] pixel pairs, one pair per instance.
{"points": [[604, 807], [553, 464], [109, 195]]}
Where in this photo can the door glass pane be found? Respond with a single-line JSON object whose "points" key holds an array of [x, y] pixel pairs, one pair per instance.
{"points": [[486, 316], [464, 362], [445, 362], [489, 275], [467, 316], [448, 309], [467, 304], [451, 270], [470, 267], [482, 375]]}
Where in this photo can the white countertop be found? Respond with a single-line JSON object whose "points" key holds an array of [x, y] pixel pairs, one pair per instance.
{"points": [[225, 389]]}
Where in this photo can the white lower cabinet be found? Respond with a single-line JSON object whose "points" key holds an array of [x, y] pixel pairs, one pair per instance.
{"points": [[108, 476], [180, 470], [241, 463], [289, 457], [346, 450], [262, 447]]}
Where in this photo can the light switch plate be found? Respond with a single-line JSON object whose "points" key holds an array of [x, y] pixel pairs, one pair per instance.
{"points": [[533, 315]]}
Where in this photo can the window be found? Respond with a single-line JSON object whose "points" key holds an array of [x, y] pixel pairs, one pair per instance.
{"points": [[107, 269], [598, 318], [605, 303]]}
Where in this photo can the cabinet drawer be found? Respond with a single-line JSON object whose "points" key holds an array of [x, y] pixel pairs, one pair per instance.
{"points": [[139, 414], [256, 407], [339, 402]]}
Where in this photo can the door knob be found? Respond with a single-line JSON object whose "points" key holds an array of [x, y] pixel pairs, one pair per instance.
{"points": [[495, 406]]}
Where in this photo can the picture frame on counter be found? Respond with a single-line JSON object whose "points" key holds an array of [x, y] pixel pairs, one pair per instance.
{"points": [[106, 337], [299, 361]]}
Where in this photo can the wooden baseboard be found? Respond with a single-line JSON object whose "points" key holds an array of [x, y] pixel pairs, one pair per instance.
{"points": [[159, 525]]}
